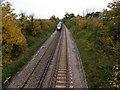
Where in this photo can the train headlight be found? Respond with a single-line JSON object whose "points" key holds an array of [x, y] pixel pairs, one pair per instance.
{"points": [[58, 27]]}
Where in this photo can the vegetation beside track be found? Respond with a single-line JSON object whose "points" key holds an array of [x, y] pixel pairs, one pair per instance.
{"points": [[97, 36], [21, 38]]}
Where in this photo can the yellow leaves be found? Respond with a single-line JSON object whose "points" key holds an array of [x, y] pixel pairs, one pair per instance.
{"points": [[76, 19], [8, 61], [45, 25], [115, 82], [83, 23], [109, 43], [117, 86], [116, 73], [116, 67], [24, 23], [37, 28], [11, 34], [108, 39]]}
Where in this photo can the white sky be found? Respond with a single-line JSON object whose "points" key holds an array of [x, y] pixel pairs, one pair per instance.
{"points": [[46, 8]]}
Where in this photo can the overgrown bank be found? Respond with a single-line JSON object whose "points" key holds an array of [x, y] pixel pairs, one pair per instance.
{"points": [[97, 36]]}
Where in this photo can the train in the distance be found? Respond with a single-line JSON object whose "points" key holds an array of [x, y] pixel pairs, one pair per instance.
{"points": [[59, 26]]}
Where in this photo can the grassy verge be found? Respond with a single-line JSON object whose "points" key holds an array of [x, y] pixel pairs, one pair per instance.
{"points": [[97, 65], [33, 44]]}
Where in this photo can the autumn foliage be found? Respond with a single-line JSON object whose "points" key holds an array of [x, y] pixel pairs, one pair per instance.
{"points": [[16, 32], [14, 42], [102, 30]]}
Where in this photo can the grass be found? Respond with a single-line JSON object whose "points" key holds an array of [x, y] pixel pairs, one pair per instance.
{"points": [[33, 44], [97, 65]]}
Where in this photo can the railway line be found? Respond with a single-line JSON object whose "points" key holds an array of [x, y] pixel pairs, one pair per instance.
{"points": [[61, 72], [54, 65]]}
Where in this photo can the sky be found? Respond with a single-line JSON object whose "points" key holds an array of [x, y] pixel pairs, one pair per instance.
{"points": [[44, 9]]}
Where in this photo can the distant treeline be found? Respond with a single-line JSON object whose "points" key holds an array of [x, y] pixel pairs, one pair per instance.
{"points": [[98, 39]]}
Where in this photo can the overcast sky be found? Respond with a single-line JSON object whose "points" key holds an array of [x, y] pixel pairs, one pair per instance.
{"points": [[46, 8]]}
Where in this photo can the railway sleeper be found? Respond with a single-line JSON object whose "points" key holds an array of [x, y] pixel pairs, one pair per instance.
{"points": [[60, 86], [61, 78], [62, 75], [61, 82], [62, 72], [62, 69]]}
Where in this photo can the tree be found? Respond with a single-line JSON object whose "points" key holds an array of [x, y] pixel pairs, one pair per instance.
{"points": [[14, 42], [69, 15]]}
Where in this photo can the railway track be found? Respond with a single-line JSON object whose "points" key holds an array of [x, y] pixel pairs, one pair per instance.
{"points": [[52, 66], [61, 73], [39, 73], [36, 75]]}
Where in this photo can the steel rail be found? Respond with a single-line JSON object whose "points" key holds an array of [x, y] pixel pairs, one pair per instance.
{"points": [[48, 63], [62, 68], [40, 59]]}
